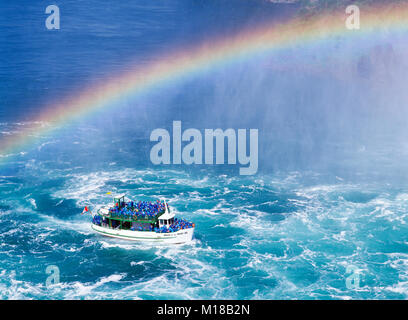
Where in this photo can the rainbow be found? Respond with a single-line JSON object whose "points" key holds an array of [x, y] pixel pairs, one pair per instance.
{"points": [[205, 56]]}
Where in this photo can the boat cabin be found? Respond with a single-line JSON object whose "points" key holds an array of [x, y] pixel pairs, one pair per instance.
{"points": [[167, 218], [119, 200], [166, 222]]}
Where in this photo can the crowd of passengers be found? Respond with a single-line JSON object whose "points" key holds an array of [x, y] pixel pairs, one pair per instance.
{"points": [[178, 224], [141, 209]]}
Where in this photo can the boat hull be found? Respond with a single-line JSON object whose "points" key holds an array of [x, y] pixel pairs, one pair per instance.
{"points": [[181, 236]]}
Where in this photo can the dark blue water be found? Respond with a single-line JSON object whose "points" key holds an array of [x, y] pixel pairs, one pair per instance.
{"points": [[330, 195]]}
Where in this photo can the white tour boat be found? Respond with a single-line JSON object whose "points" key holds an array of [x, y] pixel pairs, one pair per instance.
{"points": [[141, 221]]}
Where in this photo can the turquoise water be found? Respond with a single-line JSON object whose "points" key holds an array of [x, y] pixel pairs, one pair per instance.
{"points": [[264, 237], [325, 216]]}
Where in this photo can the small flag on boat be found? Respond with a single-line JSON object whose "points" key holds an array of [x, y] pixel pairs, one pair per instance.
{"points": [[85, 210]]}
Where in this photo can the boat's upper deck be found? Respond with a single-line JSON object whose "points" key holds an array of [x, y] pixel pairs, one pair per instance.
{"points": [[141, 211]]}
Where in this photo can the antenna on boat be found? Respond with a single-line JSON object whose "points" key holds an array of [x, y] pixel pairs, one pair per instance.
{"points": [[166, 206]]}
